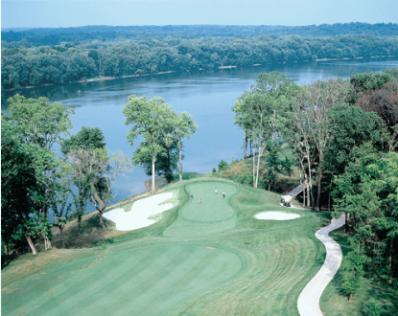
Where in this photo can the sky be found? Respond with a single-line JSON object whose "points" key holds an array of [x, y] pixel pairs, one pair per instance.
{"points": [[71, 13]]}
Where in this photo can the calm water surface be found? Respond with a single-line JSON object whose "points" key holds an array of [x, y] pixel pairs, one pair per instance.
{"points": [[208, 96]]}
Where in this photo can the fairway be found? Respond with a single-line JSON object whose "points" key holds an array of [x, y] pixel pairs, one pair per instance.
{"points": [[213, 258]]}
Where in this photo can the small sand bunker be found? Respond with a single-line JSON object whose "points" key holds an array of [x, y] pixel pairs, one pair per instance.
{"points": [[137, 217], [278, 216]]}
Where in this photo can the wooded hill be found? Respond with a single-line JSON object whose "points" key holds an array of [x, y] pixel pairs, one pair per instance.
{"points": [[55, 36], [24, 65]]}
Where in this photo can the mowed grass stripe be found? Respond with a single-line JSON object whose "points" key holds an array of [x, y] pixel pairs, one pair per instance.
{"points": [[134, 293], [156, 259], [87, 283], [175, 287], [29, 297]]}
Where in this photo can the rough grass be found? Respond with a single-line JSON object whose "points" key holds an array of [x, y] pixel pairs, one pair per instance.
{"points": [[226, 263]]}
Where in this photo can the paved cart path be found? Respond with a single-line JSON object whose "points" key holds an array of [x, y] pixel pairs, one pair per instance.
{"points": [[308, 301]]}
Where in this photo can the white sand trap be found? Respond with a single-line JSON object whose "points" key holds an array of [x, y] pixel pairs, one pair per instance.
{"points": [[278, 216], [137, 217]]}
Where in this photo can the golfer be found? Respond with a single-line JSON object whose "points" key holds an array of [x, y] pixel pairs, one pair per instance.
{"points": [[191, 196], [199, 201], [223, 194], [216, 191]]}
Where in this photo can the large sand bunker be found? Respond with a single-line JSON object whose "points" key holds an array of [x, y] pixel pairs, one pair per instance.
{"points": [[278, 216], [137, 217]]}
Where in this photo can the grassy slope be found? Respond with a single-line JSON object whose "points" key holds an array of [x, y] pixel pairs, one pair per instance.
{"points": [[246, 267]]}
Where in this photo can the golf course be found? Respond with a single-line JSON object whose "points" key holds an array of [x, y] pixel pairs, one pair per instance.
{"points": [[207, 258]]}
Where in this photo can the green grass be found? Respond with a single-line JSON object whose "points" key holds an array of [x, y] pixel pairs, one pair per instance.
{"points": [[212, 258]]}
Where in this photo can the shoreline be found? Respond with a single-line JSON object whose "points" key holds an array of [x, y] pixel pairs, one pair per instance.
{"points": [[109, 78]]}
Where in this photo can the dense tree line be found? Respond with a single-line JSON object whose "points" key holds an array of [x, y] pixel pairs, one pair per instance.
{"points": [[77, 35], [25, 65], [41, 190], [344, 135]]}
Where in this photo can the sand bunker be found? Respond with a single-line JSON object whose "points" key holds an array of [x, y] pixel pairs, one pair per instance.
{"points": [[137, 217], [278, 216]]}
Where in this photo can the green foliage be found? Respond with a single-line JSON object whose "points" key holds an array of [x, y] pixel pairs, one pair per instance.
{"points": [[355, 266], [366, 82], [368, 191], [87, 138], [165, 164], [276, 163], [39, 122], [350, 127], [222, 165], [29, 65], [176, 33], [373, 308]]}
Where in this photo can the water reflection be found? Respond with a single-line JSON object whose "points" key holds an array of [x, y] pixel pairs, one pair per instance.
{"points": [[207, 95]]}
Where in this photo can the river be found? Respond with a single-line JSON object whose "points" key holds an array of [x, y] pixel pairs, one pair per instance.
{"points": [[207, 95]]}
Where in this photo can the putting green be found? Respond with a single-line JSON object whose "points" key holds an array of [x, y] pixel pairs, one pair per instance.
{"points": [[152, 280], [213, 215]]}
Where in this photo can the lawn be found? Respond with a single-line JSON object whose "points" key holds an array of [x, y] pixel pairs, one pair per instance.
{"points": [[212, 258]]}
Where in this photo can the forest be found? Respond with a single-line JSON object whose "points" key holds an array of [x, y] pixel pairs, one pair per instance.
{"points": [[25, 64], [344, 135], [77, 35]]}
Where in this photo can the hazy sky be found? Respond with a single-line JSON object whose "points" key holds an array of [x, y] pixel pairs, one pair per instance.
{"points": [[61, 13]]}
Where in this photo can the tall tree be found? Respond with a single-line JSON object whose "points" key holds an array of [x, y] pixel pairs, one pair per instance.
{"points": [[314, 102], [88, 138], [385, 103], [43, 124], [165, 163], [182, 127], [152, 120], [253, 112], [98, 170], [18, 185]]}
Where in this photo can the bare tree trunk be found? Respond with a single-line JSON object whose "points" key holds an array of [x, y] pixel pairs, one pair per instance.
{"points": [[244, 144], [330, 190], [30, 242], [346, 222], [254, 181], [350, 298], [61, 229], [258, 165], [79, 224], [180, 158], [310, 173], [48, 242], [101, 219], [318, 201], [100, 209], [153, 173], [308, 195]]}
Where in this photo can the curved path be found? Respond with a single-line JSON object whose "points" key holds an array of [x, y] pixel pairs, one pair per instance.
{"points": [[308, 301]]}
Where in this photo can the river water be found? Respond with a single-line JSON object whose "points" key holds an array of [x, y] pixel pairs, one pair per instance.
{"points": [[206, 95]]}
